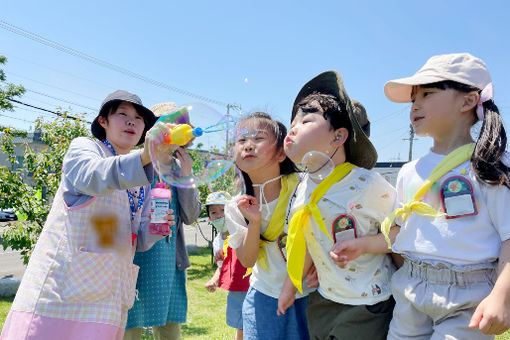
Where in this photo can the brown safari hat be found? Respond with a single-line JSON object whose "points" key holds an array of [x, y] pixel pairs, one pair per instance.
{"points": [[361, 151]]}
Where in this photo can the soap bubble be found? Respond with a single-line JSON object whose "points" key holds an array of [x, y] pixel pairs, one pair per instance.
{"points": [[231, 182], [317, 164]]}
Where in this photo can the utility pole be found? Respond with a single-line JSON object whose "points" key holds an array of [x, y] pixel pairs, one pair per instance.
{"points": [[228, 118], [411, 139], [228, 128]]}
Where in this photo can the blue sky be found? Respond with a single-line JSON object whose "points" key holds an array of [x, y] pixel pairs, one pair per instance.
{"points": [[256, 54]]}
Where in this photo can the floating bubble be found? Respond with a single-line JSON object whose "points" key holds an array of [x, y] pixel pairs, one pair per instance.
{"points": [[231, 182], [318, 165]]}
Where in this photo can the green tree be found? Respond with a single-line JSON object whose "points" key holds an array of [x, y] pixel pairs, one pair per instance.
{"points": [[30, 187], [230, 181], [7, 90]]}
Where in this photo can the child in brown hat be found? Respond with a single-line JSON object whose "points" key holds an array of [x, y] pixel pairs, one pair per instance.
{"points": [[336, 220]]}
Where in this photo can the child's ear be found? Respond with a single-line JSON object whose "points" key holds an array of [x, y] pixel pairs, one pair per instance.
{"points": [[470, 100], [340, 138]]}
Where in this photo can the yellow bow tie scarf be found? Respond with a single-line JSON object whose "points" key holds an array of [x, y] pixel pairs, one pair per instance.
{"points": [[450, 162], [296, 244], [225, 247], [277, 221]]}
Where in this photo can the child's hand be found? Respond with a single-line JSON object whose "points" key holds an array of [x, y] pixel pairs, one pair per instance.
{"points": [[211, 285], [185, 160], [492, 316], [344, 251], [312, 279], [249, 207], [285, 300], [219, 256]]}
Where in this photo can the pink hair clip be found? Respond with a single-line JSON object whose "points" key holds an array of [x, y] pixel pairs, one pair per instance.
{"points": [[487, 94]]}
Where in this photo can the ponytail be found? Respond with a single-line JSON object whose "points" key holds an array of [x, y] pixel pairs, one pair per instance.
{"points": [[491, 143], [489, 149]]}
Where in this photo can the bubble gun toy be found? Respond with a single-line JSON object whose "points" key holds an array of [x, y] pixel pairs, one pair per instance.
{"points": [[182, 133]]}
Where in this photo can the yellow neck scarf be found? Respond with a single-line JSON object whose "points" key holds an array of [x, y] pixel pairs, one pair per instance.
{"points": [[296, 244], [450, 162], [277, 222], [225, 247]]}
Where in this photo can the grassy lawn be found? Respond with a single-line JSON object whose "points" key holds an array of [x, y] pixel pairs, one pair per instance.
{"points": [[206, 311], [5, 305]]}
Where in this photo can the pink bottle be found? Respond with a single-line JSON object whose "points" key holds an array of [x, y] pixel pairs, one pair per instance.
{"points": [[160, 201]]}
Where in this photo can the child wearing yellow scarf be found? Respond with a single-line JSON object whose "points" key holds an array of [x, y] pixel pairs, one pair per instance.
{"points": [[336, 220], [452, 207], [257, 227]]}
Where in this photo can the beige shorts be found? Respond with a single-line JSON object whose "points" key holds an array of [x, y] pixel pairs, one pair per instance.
{"points": [[438, 301]]}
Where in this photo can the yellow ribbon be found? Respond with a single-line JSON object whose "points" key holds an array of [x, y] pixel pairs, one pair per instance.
{"points": [[296, 244], [225, 247], [450, 162], [277, 222]]}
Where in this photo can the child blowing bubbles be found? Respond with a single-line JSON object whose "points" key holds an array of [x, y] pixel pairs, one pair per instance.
{"points": [[73, 286], [342, 235], [258, 230], [455, 281]]}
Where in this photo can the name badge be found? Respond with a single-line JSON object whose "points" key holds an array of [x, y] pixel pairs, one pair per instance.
{"points": [[344, 228], [282, 245], [457, 197]]}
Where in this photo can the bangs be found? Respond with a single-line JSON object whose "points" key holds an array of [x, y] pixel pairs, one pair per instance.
{"points": [[447, 84], [259, 122]]}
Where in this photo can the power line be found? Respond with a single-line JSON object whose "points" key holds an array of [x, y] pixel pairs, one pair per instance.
{"points": [[392, 114], [76, 53], [46, 110], [53, 86], [23, 120], [63, 100], [63, 72], [34, 111]]}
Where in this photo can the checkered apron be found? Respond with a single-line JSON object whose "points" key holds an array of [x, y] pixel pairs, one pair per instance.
{"points": [[70, 277]]}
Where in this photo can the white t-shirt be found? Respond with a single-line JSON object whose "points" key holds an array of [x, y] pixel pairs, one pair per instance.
{"points": [[464, 240], [362, 200], [268, 282]]}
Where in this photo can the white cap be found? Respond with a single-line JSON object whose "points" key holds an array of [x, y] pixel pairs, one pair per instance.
{"points": [[459, 67]]}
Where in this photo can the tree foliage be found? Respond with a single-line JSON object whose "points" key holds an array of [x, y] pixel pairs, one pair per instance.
{"points": [[7, 90], [228, 181], [29, 187]]}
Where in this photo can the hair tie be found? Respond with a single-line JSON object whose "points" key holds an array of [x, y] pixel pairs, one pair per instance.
{"points": [[487, 94]]}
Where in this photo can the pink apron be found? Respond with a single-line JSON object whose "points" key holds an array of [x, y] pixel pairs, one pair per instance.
{"points": [[71, 288]]}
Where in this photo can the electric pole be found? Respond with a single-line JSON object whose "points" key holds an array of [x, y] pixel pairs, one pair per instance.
{"points": [[228, 119], [411, 139]]}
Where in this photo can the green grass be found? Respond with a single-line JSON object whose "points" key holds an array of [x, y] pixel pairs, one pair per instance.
{"points": [[5, 305], [206, 311]]}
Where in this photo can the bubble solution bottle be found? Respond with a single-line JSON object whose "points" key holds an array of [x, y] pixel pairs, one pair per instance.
{"points": [[160, 203]]}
